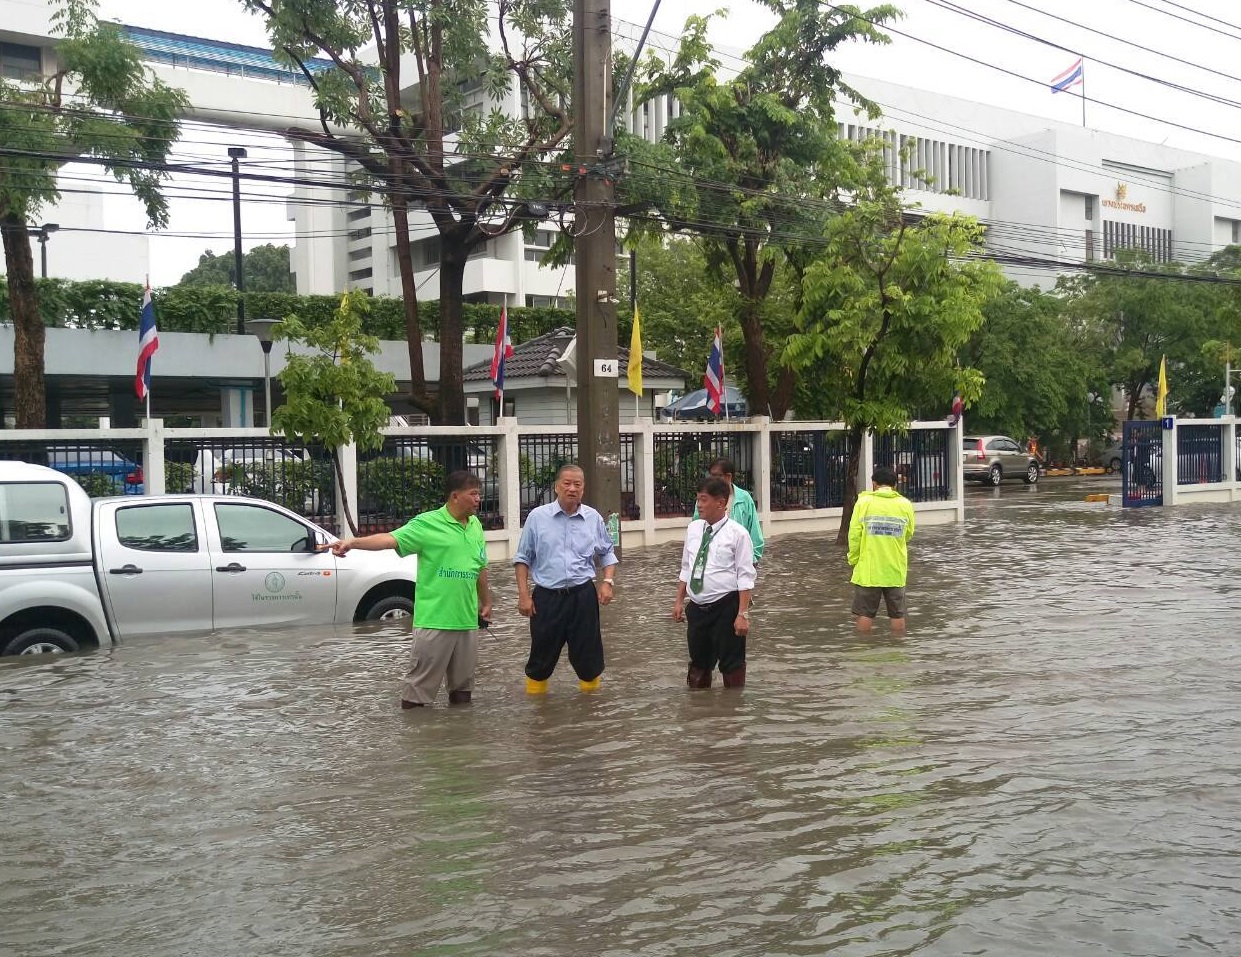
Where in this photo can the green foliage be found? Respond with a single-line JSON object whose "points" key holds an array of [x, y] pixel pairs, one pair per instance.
{"points": [[179, 476], [428, 149], [400, 486], [265, 268], [752, 164], [680, 473], [1131, 320], [299, 486], [335, 394], [99, 484], [107, 304], [1040, 372], [888, 307]]}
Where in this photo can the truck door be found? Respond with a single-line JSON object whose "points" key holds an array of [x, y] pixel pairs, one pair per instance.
{"points": [[155, 567], [262, 571]]}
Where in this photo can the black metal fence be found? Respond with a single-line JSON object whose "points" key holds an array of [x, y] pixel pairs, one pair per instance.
{"points": [[409, 475], [299, 477], [683, 459], [1142, 468], [102, 467], [808, 469], [921, 461], [1199, 454]]}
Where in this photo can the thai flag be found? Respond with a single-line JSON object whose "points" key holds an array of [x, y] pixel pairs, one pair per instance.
{"points": [[714, 377], [504, 351], [1073, 76], [148, 343]]}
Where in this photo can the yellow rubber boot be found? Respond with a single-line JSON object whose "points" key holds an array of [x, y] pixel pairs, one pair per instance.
{"points": [[536, 687], [592, 685]]}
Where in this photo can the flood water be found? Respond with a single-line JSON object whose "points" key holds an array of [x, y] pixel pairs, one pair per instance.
{"points": [[1046, 765]]}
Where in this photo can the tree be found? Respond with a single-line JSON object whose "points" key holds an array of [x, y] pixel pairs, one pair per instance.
{"points": [[887, 308], [1137, 311], [336, 395], [1040, 372], [102, 104], [266, 269], [753, 165], [400, 114]]}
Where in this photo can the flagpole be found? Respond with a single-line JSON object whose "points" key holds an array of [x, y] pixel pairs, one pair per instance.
{"points": [[1083, 92], [504, 315]]}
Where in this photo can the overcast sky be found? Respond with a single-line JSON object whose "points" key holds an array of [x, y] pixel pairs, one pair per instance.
{"points": [[937, 46]]}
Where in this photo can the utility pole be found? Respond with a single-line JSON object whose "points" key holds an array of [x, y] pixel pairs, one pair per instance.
{"points": [[598, 394], [236, 154]]}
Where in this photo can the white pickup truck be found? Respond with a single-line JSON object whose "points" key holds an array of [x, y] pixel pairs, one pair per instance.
{"points": [[77, 572]]}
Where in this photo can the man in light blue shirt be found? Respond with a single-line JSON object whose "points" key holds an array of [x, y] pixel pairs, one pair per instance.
{"points": [[560, 547]]}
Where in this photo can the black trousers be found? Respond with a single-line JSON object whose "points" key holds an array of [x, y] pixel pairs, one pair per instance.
{"points": [[565, 616], [712, 639]]}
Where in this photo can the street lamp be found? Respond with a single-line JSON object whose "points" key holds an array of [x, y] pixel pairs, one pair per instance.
{"points": [[236, 154], [262, 328], [42, 234]]}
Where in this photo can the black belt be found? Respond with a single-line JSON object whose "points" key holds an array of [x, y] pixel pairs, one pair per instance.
{"points": [[565, 591]]}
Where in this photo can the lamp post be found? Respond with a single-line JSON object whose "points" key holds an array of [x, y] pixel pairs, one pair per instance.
{"points": [[42, 234], [236, 154], [262, 328]]}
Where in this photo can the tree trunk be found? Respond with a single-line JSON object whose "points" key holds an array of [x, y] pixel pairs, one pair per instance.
{"points": [[419, 394], [755, 356], [452, 280], [29, 397], [852, 484]]}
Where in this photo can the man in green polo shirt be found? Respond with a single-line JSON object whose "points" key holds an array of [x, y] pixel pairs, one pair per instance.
{"points": [[452, 591]]}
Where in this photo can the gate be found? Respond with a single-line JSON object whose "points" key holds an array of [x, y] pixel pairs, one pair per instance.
{"points": [[1142, 464]]}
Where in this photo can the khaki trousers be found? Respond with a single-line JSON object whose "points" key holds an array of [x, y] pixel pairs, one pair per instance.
{"points": [[440, 657]]}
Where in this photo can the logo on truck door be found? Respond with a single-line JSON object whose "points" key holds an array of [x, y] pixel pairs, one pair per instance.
{"points": [[274, 583]]}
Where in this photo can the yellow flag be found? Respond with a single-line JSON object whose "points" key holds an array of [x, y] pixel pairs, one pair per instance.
{"points": [[1161, 400], [635, 355]]}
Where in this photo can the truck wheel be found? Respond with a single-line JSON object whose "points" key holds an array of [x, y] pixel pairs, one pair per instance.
{"points": [[39, 641], [390, 609]]}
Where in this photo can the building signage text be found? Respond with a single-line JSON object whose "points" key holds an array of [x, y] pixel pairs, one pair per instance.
{"points": [[1119, 202]]}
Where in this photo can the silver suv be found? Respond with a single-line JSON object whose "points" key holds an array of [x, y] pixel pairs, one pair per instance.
{"points": [[992, 458]]}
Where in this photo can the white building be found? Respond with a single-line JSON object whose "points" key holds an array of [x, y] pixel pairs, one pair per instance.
{"points": [[80, 239], [1050, 193]]}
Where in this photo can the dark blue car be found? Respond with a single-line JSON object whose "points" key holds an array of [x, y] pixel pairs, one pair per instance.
{"points": [[122, 474]]}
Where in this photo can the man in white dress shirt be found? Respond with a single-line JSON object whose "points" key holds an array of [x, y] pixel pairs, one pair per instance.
{"points": [[717, 576]]}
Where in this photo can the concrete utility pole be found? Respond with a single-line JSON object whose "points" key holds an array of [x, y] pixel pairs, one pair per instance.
{"points": [[598, 395]]}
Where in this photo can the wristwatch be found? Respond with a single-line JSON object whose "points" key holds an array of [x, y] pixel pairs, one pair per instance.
{"points": [[744, 614], [608, 581]]}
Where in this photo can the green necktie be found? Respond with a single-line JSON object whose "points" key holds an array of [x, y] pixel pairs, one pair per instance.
{"points": [[700, 563]]}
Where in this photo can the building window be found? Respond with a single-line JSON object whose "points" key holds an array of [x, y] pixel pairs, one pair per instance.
{"points": [[1155, 242], [544, 302], [355, 234], [20, 62], [1090, 208], [426, 252], [510, 409], [356, 254], [359, 274], [356, 214]]}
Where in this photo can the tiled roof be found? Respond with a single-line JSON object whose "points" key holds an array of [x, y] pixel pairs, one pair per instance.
{"points": [[537, 357]]}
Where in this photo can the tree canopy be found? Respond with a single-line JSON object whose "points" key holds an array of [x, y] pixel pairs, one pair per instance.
{"points": [[266, 269], [413, 98], [887, 306], [752, 165]]}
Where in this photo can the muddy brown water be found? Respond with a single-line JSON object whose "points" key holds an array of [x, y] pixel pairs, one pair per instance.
{"points": [[1047, 765]]}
